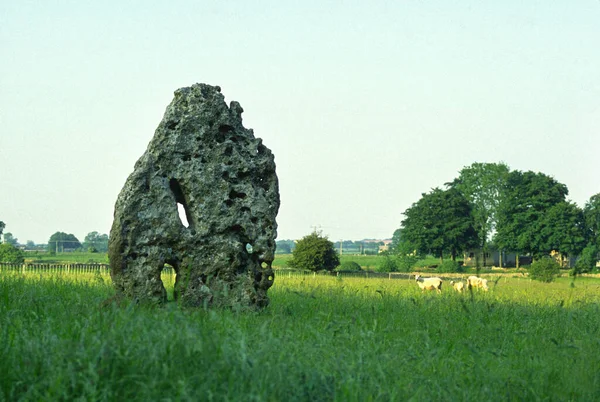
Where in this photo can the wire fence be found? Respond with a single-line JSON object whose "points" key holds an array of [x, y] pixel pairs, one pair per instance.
{"points": [[104, 269]]}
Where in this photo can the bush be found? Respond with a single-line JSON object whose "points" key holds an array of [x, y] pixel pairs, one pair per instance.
{"points": [[587, 260], [314, 253], [11, 254], [386, 264], [544, 269], [449, 266], [349, 266], [406, 263]]}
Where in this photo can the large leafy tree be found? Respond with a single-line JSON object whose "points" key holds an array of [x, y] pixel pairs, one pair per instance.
{"points": [[561, 229], [60, 241], [440, 222], [525, 199], [314, 253], [481, 184], [10, 239], [591, 214], [2, 226]]}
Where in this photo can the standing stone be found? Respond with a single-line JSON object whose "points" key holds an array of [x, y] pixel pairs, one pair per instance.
{"points": [[203, 159]]}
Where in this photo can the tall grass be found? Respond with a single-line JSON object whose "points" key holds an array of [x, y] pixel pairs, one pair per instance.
{"points": [[322, 338]]}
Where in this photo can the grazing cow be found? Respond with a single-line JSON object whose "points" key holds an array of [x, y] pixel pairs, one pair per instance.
{"points": [[458, 286], [475, 282], [429, 283]]}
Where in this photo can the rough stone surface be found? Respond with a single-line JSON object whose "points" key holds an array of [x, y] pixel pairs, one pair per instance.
{"points": [[202, 158]]}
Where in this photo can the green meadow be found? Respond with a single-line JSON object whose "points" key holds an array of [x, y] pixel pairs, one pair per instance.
{"points": [[321, 339]]}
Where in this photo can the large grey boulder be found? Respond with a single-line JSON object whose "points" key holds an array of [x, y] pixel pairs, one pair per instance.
{"points": [[202, 158]]}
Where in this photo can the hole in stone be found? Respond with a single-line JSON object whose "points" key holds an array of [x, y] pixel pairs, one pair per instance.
{"points": [[171, 125], [228, 151], [235, 194], [182, 215], [182, 209], [228, 203], [249, 248], [168, 277], [225, 128]]}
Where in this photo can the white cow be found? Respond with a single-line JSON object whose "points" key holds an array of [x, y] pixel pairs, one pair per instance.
{"points": [[429, 283]]}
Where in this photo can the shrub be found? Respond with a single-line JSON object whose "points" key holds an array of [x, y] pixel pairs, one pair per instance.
{"points": [[406, 263], [544, 269], [314, 253], [349, 266], [11, 254], [449, 266], [386, 264], [587, 260]]}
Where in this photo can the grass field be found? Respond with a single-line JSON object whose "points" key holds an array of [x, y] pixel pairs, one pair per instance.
{"points": [[321, 339]]}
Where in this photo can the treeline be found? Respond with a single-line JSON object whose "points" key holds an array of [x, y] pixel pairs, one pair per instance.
{"points": [[14, 252], [490, 207], [362, 247]]}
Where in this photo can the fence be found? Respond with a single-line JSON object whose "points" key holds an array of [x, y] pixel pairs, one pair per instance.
{"points": [[55, 268], [104, 269], [289, 273]]}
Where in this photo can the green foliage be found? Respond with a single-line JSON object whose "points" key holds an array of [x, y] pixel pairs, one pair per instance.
{"points": [[285, 246], [95, 242], [482, 184], [10, 239], [349, 266], [11, 254], [314, 253], [449, 266], [440, 222], [61, 241], [526, 198], [587, 261], [406, 262], [591, 213], [562, 229], [545, 269], [387, 263], [2, 226]]}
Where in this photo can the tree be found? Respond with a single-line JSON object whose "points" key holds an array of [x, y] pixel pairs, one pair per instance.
{"points": [[10, 239], [441, 221], [96, 242], [481, 184], [562, 229], [526, 197], [2, 226], [61, 241], [285, 246], [314, 253], [11, 254], [591, 214], [588, 259]]}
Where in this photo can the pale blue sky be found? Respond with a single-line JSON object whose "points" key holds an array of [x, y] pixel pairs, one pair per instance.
{"points": [[365, 105]]}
